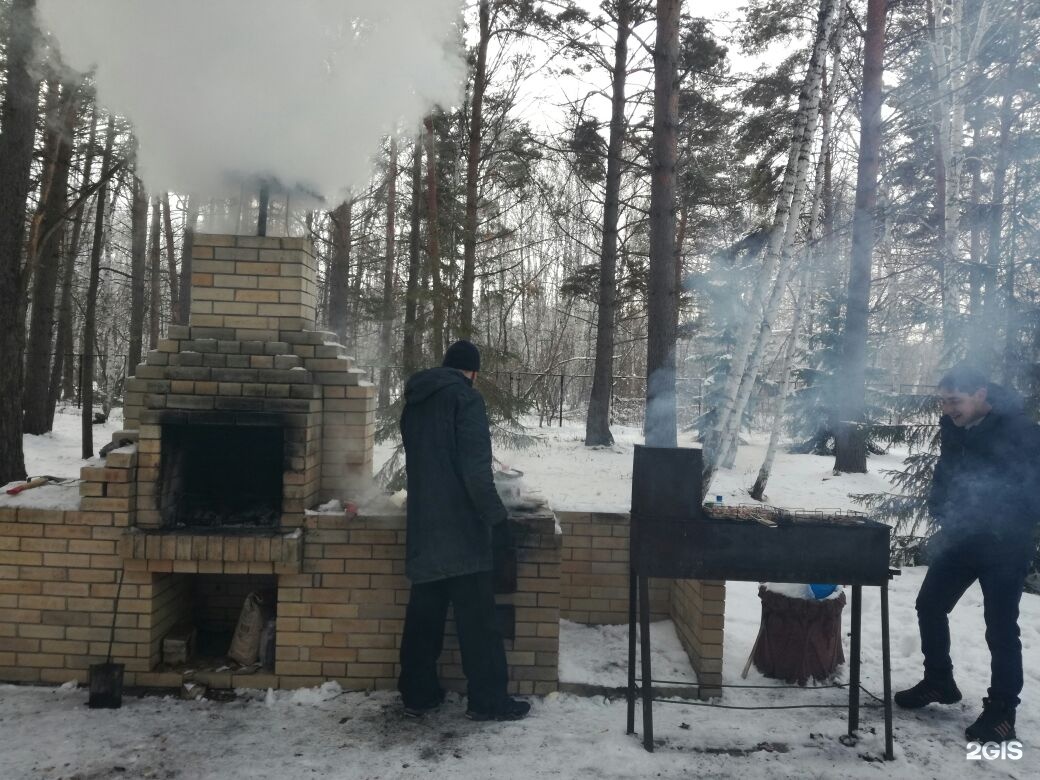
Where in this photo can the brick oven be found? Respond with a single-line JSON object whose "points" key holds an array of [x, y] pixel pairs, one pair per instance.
{"points": [[248, 416], [240, 429]]}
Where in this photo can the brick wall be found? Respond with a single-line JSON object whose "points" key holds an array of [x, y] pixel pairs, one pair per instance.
{"points": [[341, 600], [594, 570]]}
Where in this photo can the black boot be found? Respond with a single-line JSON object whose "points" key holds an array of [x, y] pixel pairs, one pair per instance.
{"points": [[510, 709], [928, 692], [995, 724]]}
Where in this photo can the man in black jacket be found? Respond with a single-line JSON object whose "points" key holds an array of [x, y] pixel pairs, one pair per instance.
{"points": [[984, 501], [452, 507]]}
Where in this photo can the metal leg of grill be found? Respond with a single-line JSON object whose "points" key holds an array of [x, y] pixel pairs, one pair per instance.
{"points": [[887, 672], [631, 722], [644, 651], [857, 592]]}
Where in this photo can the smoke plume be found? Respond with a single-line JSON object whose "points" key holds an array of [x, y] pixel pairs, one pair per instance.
{"points": [[223, 91]]}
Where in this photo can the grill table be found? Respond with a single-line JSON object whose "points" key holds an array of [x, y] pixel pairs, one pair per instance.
{"points": [[673, 536]]}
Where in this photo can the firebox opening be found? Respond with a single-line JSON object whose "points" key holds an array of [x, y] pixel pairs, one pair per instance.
{"points": [[196, 624], [220, 476]]}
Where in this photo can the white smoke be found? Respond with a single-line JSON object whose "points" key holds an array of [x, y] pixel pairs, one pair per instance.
{"points": [[222, 91]]}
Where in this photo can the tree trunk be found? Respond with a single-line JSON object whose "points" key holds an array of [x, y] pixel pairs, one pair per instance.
{"points": [[662, 295], [54, 201], [411, 348], [191, 216], [951, 75], [804, 127], [154, 275], [63, 376], [50, 139], [88, 346], [597, 423], [989, 348], [433, 244], [850, 438], [171, 257], [387, 325], [940, 139], [1012, 361], [138, 237], [974, 210], [16, 151], [476, 128], [339, 268]]}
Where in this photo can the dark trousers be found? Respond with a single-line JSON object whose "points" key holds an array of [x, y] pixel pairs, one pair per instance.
{"points": [[483, 654], [1000, 568]]}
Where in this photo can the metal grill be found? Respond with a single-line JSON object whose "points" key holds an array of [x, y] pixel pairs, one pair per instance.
{"points": [[675, 536]]}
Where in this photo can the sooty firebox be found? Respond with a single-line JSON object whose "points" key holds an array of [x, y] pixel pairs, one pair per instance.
{"points": [[221, 476]]}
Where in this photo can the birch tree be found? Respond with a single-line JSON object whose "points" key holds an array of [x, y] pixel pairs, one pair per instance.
{"points": [[154, 276], [788, 207], [731, 436], [433, 241], [138, 239], [386, 325], [411, 349], [171, 256]]}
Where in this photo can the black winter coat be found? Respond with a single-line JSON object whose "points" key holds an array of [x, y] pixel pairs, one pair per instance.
{"points": [[986, 477], [452, 500]]}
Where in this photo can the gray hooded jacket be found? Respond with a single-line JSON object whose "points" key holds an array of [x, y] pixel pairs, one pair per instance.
{"points": [[452, 500]]}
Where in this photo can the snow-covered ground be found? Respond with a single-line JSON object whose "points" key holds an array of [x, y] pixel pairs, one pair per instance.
{"points": [[576, 478], [58, 453], [328, 733]]}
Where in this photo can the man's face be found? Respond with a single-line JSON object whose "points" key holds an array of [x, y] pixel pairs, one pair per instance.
{"points": [[963, 408]]}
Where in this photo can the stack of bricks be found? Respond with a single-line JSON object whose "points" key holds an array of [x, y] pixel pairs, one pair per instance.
{"points": [[594, 582], [188, 553], [699, 612]]}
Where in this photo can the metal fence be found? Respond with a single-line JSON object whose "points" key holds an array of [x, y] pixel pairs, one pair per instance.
{"points": [[554, 397], [557, 396]]}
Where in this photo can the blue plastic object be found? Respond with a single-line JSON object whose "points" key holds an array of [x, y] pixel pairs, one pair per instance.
{"points": [[822, 591]]}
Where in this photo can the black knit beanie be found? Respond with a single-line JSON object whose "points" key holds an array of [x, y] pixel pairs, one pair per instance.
{"points": [[462, 355]]}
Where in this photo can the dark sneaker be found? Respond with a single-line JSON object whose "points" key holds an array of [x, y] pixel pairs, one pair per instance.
{"points": [[928, 692], [418, 712], [510, 709], [413, 710], [995, 724]]}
